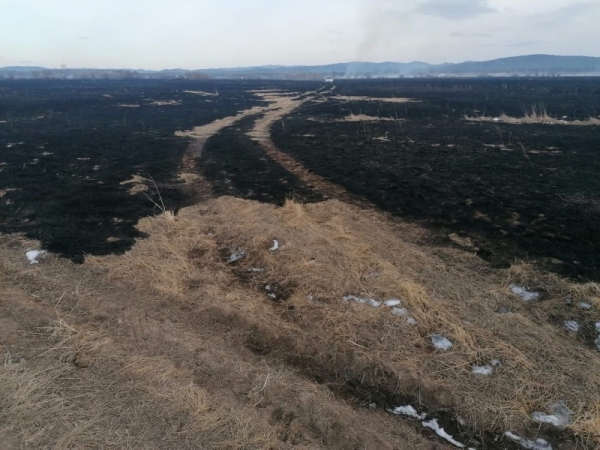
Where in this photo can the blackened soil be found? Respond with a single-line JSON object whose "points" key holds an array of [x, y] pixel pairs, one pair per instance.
{"points": [[236, 165], [519, 191], [65, 147]]}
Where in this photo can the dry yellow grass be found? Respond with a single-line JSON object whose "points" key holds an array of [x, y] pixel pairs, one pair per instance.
{"points": [[330, 250], [47, 403], [203, 93], [138, 184], [535, 114], [130, 369], [365, 118], [348, 98], [166, 103]]}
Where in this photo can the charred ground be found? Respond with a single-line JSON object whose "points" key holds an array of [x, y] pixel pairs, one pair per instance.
{"points": [[518, 191]]}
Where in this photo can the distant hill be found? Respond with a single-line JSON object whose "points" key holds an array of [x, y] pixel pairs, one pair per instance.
{"points": [[530, 65], [527, 65]]}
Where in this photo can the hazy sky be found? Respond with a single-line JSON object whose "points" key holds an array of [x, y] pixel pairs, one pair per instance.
{"points": [[193, 34]]}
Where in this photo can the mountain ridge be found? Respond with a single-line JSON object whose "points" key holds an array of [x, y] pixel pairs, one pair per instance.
{"points": [[524, 65]]}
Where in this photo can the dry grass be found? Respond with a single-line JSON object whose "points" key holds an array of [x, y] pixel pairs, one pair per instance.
{"points": [[536, 114], [48, 403], [348, 98], [166, 103], [138, 184], [203, 132], [203, 93], [365, 118], [329, 250]]}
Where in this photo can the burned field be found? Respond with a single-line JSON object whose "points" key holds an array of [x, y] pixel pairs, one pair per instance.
{"points": [[510, 191], [66, 147], [526, 191]]}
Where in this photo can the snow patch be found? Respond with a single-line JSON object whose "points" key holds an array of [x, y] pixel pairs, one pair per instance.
{"points": [[571, 325], [411, 321], [33, 255], [433, 425], [597, 342], [585, 305], [597, 325], [369, 301], [256, 270], [275, 245], [407, 411], [547, 418], [440, 342], [524, 293], [402, 312], [393, 302], [538, 444], [236, 256], [482, 370]]}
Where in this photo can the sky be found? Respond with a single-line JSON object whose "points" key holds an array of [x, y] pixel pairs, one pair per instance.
{"points": [[199, 34]]}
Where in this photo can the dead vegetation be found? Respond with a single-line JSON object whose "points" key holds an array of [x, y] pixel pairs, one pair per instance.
{"points": [[347, 98], [331, 250], [166, 103], [204, 94], [82, 367], [138, 184], [365, 118], [537, 113]]}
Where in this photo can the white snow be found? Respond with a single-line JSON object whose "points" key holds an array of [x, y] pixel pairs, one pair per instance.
{"points": [[538, 444], [496, 119], [433, 424], [571, 325], [482, 370], [236, 256], [440, 342], [393, 302], [411, 321], [560, 417], [273, 296], [597, 342], [585, 305], [497, 363], [33, 255], [597, 327], [552, 419], [256, 270], [402, 312], [268, 287], [408, 411], [524, 293], [275, 245], [369, 301]]}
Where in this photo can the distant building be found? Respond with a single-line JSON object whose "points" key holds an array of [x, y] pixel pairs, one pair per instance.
{"points": [[328, 79]]}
